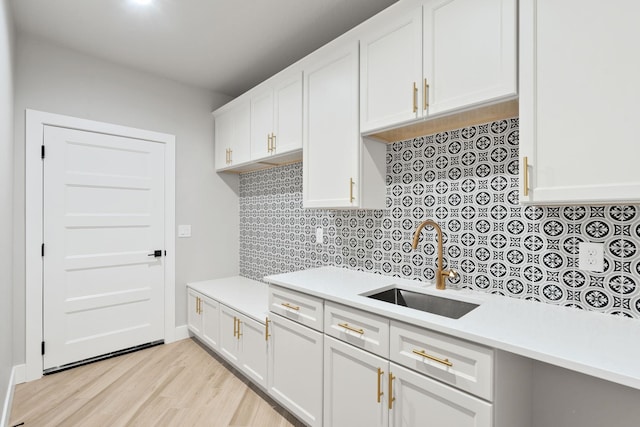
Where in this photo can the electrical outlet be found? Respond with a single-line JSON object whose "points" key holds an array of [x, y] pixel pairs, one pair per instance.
{"points": [[591, 257], [319, 235]]}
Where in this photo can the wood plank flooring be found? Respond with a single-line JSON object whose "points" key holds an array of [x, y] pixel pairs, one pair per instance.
{"points": [[178, 384]]}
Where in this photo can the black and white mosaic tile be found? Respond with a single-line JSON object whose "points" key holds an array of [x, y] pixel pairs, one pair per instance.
{"points": [[466, 180]]}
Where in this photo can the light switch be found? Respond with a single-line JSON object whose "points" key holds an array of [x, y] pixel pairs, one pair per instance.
{"points": [[184, 231]]}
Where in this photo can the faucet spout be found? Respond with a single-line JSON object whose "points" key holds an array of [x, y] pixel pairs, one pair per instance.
{"points": [[441, 275]]}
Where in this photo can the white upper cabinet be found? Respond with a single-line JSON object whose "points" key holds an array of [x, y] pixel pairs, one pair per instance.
{"points": [[341, 169], [470, 52], [579, 91], [331, 135], [445, 56], [232, 135], [391, 72], [287, 94], [276, 117], [261, 124]]}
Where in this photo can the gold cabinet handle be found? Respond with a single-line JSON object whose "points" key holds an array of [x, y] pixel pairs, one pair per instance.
{"points": [[430, 357], [269, 143], [390, 398], [350, 190], [197, 305], [230, 156], [425, 95], [239, 333], [266, 329], [414, 97], [380, 392], [235, 327], [351, 328], [292, 307], [273, 142], [525, 167]]}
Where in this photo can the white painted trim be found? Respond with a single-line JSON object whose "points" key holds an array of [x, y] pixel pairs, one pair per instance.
{"points": [[8, 399], [34, 136], [182, 333], [20, 373]]}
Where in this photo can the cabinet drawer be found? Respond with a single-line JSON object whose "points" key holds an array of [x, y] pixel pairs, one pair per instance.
{"points": [[359, 328], [462, 364], [301, 308]]}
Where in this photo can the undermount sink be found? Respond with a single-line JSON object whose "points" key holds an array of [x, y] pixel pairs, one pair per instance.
{"points": [[447, 307]]}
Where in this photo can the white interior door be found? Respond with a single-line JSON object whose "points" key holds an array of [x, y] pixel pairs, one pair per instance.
{"points": [[103, 218]]}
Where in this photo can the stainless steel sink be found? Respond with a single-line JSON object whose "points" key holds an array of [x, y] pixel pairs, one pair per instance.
{"points": [[447, 307]]}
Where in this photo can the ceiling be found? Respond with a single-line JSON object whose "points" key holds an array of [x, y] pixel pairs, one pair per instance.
{"points": [[227, 46]]}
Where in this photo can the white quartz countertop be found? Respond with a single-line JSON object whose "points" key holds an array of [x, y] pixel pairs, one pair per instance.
{"points": [[596, 344], [247, 296]]}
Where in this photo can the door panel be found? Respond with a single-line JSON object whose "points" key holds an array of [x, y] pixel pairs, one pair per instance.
{"points": [[103, 216]]}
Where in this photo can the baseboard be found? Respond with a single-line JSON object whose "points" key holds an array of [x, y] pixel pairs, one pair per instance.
{"points": [[17, 377], [182, 333]]}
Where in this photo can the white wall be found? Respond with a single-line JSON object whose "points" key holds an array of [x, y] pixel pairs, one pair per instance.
{"points": [[6, 191], [57, 80], [565, 398]]}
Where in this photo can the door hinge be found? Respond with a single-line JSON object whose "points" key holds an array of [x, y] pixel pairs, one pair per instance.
{"points": [[42, 250], [43, 348], [42, 151]]}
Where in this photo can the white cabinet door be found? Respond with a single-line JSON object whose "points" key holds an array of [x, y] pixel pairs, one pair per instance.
{"points": [[391, 72], [579, 93], [261, 124], [210, 317], [470, 52], [331, 140], [194, 319], [355, 386], [295, 369], [253, 354], [288, 114], [229, 340], [223, 135], [420, 400], [232, 136]]}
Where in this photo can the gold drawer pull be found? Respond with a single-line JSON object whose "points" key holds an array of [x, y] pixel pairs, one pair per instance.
{"points": [[525, 185], [266, 329], [414, 97], [350, 190], [292, 307], [435, 359], [351, 328], [239, 333], [390, 397], [425, 95], [235, 326], [380, 392]]}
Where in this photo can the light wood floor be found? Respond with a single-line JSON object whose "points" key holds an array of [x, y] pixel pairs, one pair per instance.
{"points": [[179, 384]]}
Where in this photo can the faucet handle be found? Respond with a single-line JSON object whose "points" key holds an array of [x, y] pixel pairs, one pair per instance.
{"points": [[450, 274]]}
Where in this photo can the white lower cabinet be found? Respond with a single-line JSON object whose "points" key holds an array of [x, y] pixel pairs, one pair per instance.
{"points": [[210, 322], [203, 319], [194, 319], [295, 369], [358, 386], [243, 342], [354, 386], [419, 401]]}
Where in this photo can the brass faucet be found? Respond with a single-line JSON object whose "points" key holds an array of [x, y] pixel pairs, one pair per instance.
{"points": [[441, 275]]}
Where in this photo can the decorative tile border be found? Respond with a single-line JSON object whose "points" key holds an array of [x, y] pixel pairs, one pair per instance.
{"points": [[467, 180]]}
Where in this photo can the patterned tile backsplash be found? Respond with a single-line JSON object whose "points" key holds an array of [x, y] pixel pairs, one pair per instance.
{"points": [[466, 180]]}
